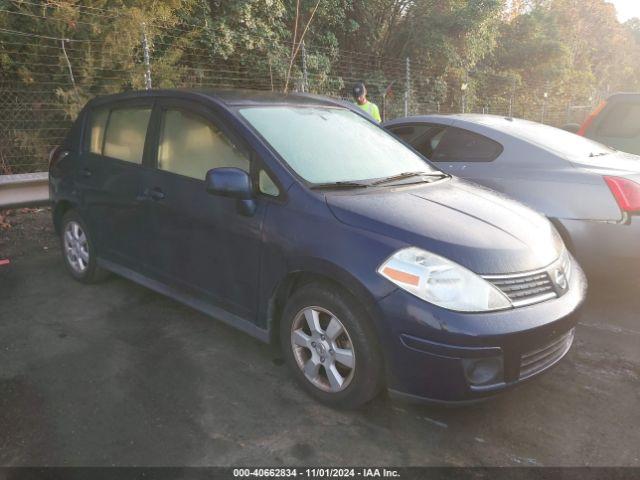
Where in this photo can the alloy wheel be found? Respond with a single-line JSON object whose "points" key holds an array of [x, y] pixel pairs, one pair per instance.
{"points": [[323, 349], [76, 247]]}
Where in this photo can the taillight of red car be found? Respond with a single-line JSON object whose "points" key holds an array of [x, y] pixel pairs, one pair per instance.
{"points": [[626, 193], [592, 116]]}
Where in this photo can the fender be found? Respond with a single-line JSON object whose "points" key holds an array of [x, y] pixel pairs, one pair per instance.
{"points": [[321, 268]]}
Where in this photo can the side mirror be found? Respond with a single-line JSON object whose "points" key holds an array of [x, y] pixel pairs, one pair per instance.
{"points": [[229, 182], [232, 183]]}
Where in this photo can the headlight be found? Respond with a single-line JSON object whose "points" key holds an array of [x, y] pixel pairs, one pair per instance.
{"points": [[565, 261], [442, 282]]}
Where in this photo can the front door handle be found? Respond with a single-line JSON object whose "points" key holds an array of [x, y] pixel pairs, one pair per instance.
{"points": [[153, 194], [86, 173]]}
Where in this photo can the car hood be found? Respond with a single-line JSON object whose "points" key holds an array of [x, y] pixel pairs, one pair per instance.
{"points": [[471, 225]]}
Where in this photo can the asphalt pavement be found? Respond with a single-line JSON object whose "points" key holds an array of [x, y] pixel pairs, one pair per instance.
{"points": [[114, 374]]}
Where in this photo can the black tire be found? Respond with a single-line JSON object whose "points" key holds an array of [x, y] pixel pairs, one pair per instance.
{"points": [[367, 376], [91, 273]]}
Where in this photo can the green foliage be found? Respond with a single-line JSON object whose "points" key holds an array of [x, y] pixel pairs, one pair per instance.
{"points": [[453, 33], [483, 54]]}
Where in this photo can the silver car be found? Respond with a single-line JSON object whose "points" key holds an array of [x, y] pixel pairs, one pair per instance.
{"points": [[589, 191]]}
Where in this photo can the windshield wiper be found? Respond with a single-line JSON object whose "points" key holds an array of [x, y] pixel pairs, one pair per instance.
{"points": [[319, 186], [402, 176]]}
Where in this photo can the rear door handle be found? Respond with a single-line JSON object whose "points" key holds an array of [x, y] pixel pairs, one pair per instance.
{"points": [[156, 194], [86, 173]]}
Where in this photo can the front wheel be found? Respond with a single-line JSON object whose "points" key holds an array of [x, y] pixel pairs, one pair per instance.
{"points": [[329, 343]]}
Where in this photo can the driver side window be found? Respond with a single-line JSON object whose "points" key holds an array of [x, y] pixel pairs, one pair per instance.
{"points": [[191, 145], [423, 137], [459, 145]]}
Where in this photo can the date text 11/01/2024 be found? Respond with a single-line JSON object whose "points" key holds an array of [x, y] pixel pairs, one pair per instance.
{"points": [[316, 472]]}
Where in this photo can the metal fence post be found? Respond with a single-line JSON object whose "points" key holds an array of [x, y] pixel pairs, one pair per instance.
{"points": [[463, 99], [513, 94], [305, 77], [407, 86], [147, 62]]}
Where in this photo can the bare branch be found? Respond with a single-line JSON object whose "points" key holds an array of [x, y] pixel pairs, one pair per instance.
{"points": [[295, 28], [297, 48]]}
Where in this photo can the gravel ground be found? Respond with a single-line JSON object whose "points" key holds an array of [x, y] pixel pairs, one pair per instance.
{"points": [[114, 374], [25, 231]]}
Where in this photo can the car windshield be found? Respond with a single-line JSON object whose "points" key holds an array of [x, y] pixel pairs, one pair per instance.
{"points": [[325, 145], [560, 141]]}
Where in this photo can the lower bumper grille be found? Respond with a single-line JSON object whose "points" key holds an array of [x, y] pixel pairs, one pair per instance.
{"points": [[542, 358]]}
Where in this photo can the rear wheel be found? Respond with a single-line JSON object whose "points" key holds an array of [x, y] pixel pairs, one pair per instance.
{"points": [[329, 343], [78, 250]]}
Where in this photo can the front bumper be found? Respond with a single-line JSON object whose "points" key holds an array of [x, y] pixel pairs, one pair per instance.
{"points": [[429, 349]]}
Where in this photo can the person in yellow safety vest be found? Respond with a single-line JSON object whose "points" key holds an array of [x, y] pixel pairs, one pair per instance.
{"points": [[360, 94]]}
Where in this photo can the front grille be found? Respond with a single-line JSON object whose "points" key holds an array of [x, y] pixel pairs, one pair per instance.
{"points": [[537, 286], [542, 358], [525, 289]]}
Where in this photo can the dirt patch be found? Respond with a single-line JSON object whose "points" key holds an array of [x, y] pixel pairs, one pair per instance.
{"points": [[26, 231]]}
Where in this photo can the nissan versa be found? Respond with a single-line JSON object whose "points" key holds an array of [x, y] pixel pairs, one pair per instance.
{"points": [[299, 221]]}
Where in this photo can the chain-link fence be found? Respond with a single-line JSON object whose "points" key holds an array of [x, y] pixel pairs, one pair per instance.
{"points": [[45, 79]]}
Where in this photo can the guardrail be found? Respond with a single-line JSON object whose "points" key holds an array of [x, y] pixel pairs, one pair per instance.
{"points": [[24, 190]]}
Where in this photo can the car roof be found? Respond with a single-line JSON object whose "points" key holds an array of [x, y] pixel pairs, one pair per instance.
{"points": [[230, 98], [625, 94], [479, 123], [462, 118]]}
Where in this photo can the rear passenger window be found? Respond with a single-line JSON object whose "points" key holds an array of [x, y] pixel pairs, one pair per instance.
{"points": [[97, 125], [622, 120], [190, 145], [126, 133], [458, 145]]}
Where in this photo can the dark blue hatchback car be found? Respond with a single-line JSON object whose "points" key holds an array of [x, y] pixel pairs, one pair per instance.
{"points": [[299, 221]]}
